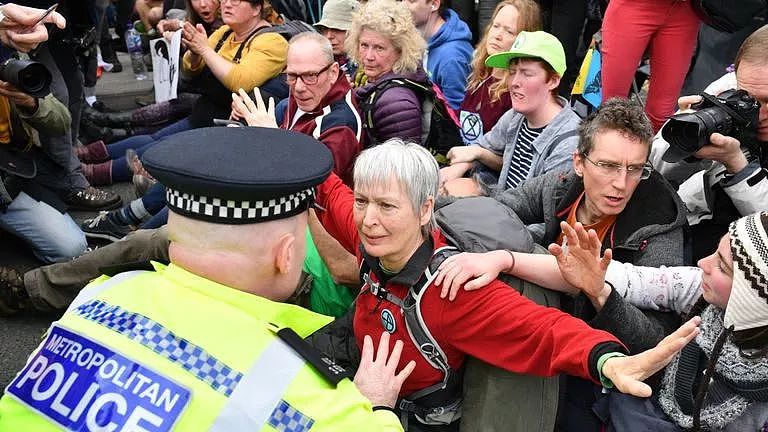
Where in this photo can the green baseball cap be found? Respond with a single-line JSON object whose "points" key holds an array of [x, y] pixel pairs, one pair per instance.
{"points": [[536, 44]]}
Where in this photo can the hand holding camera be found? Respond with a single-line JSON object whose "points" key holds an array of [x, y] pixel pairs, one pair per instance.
{"points": [[717, 130]]}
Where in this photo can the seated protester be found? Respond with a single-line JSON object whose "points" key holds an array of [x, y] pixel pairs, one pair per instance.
{"points": [[729, 353], [388, 223], [385, 44], [335, 24], [32, 184], [240, 54], [537, 136], [320, 102], [449, 47], [204, 12], [612, 190], [487, 97], [727, 178]]}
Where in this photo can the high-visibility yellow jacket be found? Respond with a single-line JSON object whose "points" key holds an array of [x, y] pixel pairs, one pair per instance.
{"points": [[169, 350]]}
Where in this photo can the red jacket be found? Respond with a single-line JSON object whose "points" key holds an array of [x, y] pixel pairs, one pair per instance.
{"points": [[335, 123], [495, 324]]}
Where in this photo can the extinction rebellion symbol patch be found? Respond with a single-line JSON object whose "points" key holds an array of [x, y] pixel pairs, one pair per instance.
{"points": [[388, 321]]}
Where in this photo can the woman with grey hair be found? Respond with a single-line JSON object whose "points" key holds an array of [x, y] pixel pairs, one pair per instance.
{"points": [[388, 223], [387, 46]]}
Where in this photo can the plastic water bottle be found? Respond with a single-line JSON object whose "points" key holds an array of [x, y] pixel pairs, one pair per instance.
{"points": [[133, 43]]}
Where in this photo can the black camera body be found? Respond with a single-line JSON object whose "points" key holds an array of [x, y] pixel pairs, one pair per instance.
{"points": [[733, 113], [31, 77]]}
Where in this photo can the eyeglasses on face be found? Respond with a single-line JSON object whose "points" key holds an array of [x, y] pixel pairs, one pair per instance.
{"points": [[309, 78], [612, 169], [234, 2]]}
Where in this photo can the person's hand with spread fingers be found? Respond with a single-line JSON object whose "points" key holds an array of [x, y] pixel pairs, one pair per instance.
{"points": [[254, 113]]}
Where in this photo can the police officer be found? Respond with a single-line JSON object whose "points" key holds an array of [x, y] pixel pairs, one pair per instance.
{"points": [[205, 342]]}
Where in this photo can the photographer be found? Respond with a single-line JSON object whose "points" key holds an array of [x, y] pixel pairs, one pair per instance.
{"points": [[31, 183], [728, 179]]}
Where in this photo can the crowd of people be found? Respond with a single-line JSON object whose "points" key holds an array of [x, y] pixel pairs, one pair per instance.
{"points": [[368, 223]]}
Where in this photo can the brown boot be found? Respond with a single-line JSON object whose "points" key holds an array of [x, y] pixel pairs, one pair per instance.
{"points": [[93, 152], [98, 174], [13, 295]]}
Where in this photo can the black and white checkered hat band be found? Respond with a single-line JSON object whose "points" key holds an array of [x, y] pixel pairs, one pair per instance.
{"points": [[238, 212], [748, 304]]}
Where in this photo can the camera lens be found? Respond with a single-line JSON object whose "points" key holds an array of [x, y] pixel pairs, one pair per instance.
{"points": [[687, 133], [31, 77]]}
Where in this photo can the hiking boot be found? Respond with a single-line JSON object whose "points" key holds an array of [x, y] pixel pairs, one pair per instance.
{"points": [[102, 227], [13, 296], [92, 199]]}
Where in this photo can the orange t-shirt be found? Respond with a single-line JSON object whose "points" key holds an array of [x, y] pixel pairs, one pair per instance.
{"points": [[601, 227]]}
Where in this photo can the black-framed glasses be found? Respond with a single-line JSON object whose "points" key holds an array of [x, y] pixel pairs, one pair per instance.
{"points": [[612, 169], [309, 78]]}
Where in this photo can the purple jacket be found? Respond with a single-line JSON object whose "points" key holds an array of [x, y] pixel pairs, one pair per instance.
{"points": [[397, 112]]}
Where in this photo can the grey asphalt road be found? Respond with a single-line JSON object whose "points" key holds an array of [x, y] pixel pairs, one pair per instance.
{"points": [[20, 335]]}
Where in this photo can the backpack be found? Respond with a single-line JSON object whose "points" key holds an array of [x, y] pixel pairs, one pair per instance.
{"points": [[439, 125], [477, 224], [726, 16]]}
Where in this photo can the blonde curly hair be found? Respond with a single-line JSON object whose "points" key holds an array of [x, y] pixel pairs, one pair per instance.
{"points": [[529, 19], [392, 20]]}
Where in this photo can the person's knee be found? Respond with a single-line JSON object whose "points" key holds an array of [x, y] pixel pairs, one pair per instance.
{"points": [[63, 247]]}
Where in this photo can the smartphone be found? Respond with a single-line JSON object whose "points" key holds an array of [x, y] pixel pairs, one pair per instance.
{"points": [[45, 14]]}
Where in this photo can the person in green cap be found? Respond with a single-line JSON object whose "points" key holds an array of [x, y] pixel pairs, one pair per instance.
{"points": [[536, 136]]}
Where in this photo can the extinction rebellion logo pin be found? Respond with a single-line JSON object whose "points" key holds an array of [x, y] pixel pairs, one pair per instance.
{"points": [[388, 321]]}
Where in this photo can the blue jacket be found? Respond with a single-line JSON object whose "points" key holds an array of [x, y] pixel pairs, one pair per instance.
{"points": [[449, 53]]}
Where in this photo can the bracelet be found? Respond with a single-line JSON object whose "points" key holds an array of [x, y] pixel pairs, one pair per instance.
{"points": [[606, 383], [509, 269]]}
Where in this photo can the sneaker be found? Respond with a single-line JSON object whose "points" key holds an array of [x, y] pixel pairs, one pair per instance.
{"points": [[102, 227], [13, 295], [92, 199]]}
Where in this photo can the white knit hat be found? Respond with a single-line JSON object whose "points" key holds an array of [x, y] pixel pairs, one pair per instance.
{"points": [[748, 305]]}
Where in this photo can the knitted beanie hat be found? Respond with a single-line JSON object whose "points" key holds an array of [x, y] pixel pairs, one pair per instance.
{"points": [[748, 305]]}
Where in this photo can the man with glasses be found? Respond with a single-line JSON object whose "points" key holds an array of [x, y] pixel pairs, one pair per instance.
{"points": [[320, 102], [634, 211]]}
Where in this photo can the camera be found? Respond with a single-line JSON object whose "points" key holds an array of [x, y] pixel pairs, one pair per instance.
{"points": [[31, 77], [733, 113]]}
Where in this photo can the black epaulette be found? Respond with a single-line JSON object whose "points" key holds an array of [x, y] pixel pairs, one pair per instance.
{"points": [[323, 364], [111, 270]]}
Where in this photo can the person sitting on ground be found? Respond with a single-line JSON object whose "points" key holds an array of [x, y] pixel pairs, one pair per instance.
{"points": [[388, 222], [335, 24], [537, 136], [247, 367], [613, 190], [386, 45], [449, 47], [488, 97], [240, 54]]}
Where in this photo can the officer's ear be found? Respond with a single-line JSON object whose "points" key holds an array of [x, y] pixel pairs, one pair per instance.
{"points": [[286, 254]]}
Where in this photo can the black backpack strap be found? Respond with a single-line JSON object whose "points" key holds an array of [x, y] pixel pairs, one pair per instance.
{"points": [[239, 53], [558, 139], [414, 319], [223, 39]]}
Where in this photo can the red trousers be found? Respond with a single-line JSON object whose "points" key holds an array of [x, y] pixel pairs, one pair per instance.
{"points": [[669, 28]]}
